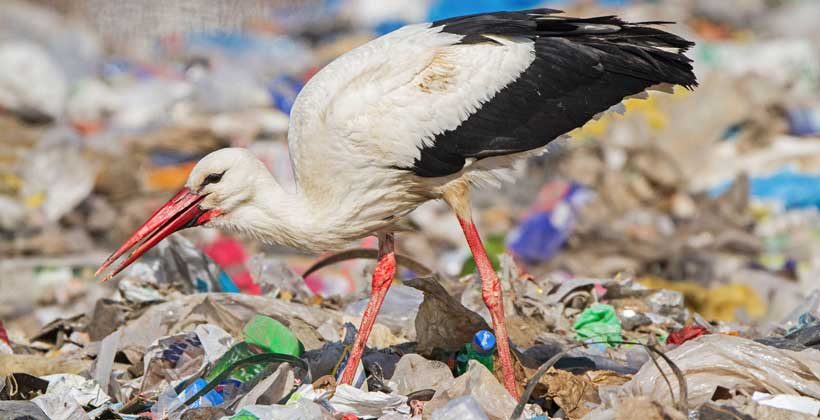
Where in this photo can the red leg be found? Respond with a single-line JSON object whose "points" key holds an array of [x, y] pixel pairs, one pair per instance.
{"points": [[382, 277], [491, 292]]}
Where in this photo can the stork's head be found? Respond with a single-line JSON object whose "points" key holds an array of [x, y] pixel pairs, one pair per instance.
{"points": [[219, 183]]}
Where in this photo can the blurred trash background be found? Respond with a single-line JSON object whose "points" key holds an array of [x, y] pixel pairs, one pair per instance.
{"points": [[688, 223]]}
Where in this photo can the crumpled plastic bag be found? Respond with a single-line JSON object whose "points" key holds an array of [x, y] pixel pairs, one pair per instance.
{"points": [[733, 363], [175, 358], [300, 410], [84, 391], [598, 323], [480, 383], [348, 399], [57, 177], [31, 82], [60, 407], [177, 261]]}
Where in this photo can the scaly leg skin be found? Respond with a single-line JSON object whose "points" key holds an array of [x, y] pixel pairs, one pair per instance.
{"points": [[382, 278], [491, 292]]}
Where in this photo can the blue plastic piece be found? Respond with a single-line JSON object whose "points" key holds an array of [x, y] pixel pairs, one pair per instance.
{"points": [[226, 285], [540, 236], [792, 189], [484, 341], [804, 121], [210, 399]]}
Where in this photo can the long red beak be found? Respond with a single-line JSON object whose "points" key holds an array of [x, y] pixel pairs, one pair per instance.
{"points": [[180, 212]]}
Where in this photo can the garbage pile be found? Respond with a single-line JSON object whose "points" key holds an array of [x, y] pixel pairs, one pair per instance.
{"points": [[661, 261]]}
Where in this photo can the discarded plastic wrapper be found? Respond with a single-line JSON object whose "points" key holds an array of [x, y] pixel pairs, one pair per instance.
{"points": [[300, 410], [170, 360], [178, 262], [348, 399], [399, 309], [479, 383], [732, 363], [599, 322], [464, 408], [415, 373], [543, 232], [60, 407], [689, 332], [270, 390], [84, 391]]}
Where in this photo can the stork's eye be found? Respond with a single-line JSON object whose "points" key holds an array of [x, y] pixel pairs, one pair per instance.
{"points": [[213, 178]]}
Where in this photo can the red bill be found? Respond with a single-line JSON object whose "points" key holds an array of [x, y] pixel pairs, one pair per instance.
{"points": [[180, 212]]}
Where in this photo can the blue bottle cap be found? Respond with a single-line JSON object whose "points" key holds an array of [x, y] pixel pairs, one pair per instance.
{"points": [[484, 340]]}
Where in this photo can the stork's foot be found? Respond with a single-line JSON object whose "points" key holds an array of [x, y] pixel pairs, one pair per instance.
{"points": [[382, 277]]}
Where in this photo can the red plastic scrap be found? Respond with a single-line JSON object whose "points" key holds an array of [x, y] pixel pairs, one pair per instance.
{"points": [[685, 334], [4, 336], [230, 254]]}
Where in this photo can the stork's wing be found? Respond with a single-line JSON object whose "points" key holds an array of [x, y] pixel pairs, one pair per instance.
{"points": [[428, 97]]}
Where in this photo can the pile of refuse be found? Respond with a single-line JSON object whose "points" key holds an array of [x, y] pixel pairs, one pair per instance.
{"points": [[585, 348], [661, 261]]}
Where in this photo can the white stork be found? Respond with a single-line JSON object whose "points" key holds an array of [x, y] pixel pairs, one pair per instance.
{"points": [[422, 113]]}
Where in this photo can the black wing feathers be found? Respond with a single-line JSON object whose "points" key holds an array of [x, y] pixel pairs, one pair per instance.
{"points": [[582, 67]]}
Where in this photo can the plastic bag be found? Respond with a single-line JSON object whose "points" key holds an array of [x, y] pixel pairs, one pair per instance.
{"points": [[480, 384], [598, 323], [177, 261], [732, 363], [31, 82], [464, 408], [398, 310], [550, 222]]}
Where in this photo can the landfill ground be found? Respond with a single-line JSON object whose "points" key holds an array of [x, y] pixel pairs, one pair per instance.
{"points": [[662, 262]]}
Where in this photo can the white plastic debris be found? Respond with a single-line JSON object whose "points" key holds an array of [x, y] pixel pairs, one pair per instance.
{"points": [[399, 309], [733, 363], [796, 403], [480, 384], [348, 399], [215, 341], [30, 81], [57, 177], [300, 410], [105, 359], [60, 406], [76, 388], [414, 373], [461, 408]]}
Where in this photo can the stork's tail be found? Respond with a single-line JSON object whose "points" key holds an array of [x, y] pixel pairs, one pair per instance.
{"points": [[643, 42]]}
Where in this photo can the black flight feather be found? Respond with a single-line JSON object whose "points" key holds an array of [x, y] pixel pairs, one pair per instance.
{"points": [[582, 67]]}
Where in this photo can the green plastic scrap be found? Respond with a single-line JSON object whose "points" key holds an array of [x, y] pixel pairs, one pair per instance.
{"points": [[600, 323], [272, 335], [244, 415]]}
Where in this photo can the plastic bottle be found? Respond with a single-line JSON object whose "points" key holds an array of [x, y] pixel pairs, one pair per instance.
{"points": [[262, 334], [481, 349]]}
